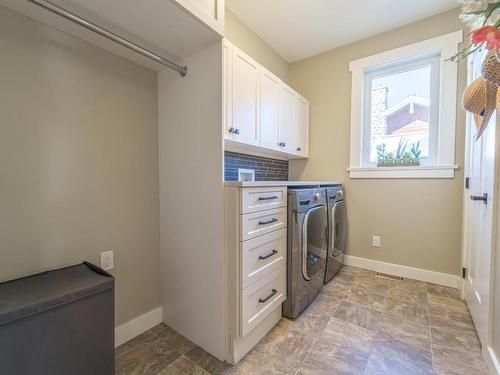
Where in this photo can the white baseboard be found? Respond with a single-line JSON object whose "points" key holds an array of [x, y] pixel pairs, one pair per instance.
{"points": [[492, 360], [136, 326], [404, 271]]}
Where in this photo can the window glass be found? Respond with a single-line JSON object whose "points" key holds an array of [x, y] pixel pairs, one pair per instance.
{"points": [[400, 114]]}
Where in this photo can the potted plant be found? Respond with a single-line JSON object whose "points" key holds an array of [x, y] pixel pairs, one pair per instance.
{"points": [[402, 157]]}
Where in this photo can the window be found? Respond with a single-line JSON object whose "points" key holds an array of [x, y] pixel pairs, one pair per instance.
{"points": [[403, 111]]}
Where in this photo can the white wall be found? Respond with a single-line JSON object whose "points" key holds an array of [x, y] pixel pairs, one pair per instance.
{"points": [[419, 220], [78, 161]]}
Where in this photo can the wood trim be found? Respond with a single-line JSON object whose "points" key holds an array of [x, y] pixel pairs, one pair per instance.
{"points": [[405, 271], [447, 46], [138, 325], [491, 359], [432, 171]]}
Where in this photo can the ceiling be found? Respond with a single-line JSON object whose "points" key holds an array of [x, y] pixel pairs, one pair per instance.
{"points": [[297, 29]]}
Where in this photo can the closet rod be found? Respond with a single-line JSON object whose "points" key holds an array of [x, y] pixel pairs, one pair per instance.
{"points": [[45, 4]]}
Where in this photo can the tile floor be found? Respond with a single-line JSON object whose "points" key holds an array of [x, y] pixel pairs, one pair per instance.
{"points": [[359, 324]]}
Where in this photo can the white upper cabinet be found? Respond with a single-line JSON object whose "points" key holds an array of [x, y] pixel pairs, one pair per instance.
{"points": [[262, 115], [245, 98], [210, 12], [270, 91], [300, 126], [287, 99]]}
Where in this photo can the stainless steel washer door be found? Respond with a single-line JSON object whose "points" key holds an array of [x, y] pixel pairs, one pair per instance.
{"points": [[314, 249]]}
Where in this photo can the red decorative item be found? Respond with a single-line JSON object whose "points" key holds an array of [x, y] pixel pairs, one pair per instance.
{"points": [[489, 35]]}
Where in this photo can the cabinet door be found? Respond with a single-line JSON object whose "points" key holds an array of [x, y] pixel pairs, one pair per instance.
{"points": [[270, 89], [287, 98], [245, 99], [210, 12], [227, 89], [301, 127]]}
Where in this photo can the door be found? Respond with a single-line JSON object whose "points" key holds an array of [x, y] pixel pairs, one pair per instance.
{"points": [[479, 209], [270, 89], [314, 242], [245, 100], [287, 97], [301, 127]]}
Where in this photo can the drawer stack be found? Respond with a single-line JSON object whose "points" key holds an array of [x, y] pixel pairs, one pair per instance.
{"points": [[262, 254]]}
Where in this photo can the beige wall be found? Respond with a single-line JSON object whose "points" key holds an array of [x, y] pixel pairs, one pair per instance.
{"points": [[78, 161], [249, 42], [419, 220]]}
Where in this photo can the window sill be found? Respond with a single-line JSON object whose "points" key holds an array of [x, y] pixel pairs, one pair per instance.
{"points": [[427, 171]]}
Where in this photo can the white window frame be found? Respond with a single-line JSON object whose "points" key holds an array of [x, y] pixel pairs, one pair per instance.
{"points": [[443, 163], [433, 62]]}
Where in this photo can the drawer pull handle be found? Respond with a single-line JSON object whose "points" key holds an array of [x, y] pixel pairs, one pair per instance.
{"points": [[264, 300], [273, 220], [268, 198], [274, 252]]}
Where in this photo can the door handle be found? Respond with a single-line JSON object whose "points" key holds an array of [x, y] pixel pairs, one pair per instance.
{"points": [[274, 252], [273, 220], [483, 198], [268, 198], [264, 300]]}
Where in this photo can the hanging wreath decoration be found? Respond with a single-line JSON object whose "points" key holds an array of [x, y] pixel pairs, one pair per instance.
{"points": [[480, 97]]}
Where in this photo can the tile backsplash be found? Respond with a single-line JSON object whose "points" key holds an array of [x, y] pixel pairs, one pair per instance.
{"points": [[266, 169]]}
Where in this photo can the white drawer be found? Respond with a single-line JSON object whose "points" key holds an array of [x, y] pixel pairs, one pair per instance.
{"points": [[262, 222], [258, 199], [262, 255], [261, 298]]}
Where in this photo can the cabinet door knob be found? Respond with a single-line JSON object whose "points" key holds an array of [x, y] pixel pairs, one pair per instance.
{"points": [[299, 148], [282, 144]]}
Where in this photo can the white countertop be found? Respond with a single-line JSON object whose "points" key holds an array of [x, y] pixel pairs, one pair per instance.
{"points": [[277, 183]]}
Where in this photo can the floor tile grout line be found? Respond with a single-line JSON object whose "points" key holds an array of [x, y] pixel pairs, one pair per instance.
{"points": [[136, 345], [430, 329], [331, 317], [375, 334], [430, 338]]}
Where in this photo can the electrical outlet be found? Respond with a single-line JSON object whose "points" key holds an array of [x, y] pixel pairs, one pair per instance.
{"points": [[107, 263], [376, 241]]}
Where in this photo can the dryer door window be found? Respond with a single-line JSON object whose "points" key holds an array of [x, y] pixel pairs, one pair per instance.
{"points": [[314, 242]]}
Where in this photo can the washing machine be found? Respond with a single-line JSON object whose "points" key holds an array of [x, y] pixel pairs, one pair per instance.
{"points": [[306, 248]]}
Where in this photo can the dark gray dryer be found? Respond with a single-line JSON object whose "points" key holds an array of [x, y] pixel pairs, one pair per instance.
{"points": [[307, 248], [337, 231]]}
